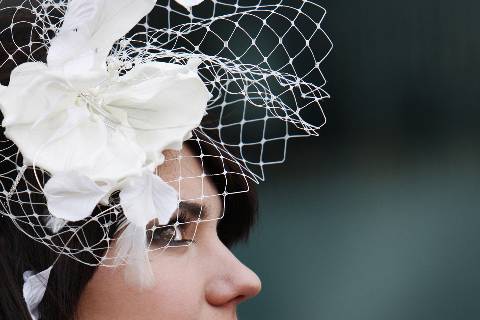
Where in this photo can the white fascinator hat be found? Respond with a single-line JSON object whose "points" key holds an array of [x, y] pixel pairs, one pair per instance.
{"points": [[100, 89]]}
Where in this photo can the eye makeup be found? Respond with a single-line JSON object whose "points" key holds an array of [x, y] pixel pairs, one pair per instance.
{"points": [[181, 228]]}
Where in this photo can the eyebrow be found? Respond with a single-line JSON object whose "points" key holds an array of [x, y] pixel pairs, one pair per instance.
{"points": [[189, 211]]}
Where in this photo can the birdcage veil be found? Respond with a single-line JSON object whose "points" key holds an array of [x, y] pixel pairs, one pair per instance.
{"points": [[142, 77]]}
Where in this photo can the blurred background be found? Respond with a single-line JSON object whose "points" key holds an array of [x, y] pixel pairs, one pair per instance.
{"points": [[378, 217]]}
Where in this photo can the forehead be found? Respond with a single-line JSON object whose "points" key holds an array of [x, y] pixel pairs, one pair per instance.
{"points": [[184, 171]]}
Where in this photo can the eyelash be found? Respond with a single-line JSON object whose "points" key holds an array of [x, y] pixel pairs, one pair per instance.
{"points": [[157, 236]]}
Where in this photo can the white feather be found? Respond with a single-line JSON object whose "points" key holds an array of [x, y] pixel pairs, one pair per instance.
{"points": [[131, 249], [55, 224], [34, 289]]}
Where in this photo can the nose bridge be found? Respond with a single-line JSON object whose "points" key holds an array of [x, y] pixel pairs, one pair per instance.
{"points": [[233, 280], [238, 267]]}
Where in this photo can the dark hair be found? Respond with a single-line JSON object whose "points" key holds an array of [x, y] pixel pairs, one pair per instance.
{"points": [[19, 253], [69, 277]]}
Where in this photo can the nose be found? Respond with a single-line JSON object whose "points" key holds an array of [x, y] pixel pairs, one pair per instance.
{"points": [[233, 283]]}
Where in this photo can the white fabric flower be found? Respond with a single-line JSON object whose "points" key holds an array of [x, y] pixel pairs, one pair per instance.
{"points": [[95, 131], [74, 194], [155, 199], [188, 4], [34, 287]]}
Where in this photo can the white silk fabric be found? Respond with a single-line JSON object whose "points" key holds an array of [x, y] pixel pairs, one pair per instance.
{"points": [[96, 131]]}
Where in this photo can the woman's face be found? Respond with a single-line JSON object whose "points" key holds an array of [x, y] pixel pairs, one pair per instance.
{"points": [[201, 281]]}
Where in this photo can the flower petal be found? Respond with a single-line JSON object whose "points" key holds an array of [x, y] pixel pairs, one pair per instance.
{"points": [[34, 289], [74, 148], [72, 196], [53, 128], [91, 27], [147, 197], [188, 4], [33, 92], [120, 158], [164, 104]]}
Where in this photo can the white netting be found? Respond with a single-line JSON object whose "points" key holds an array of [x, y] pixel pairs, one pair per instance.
{"points": [[260, 61]]}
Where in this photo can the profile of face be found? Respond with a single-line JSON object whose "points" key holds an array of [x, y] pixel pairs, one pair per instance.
{"points": [[201, 281]]}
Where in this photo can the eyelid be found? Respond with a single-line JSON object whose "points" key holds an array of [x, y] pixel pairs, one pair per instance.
{"points": [[184, 223], [182, 228], [180, 216], [188, 212]]}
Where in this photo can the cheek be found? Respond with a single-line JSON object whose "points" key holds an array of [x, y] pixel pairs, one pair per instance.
{"points": [[178, 293], [180, 285]]}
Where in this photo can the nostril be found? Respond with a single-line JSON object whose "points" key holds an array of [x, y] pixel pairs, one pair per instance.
{"points": [[239, 299]]}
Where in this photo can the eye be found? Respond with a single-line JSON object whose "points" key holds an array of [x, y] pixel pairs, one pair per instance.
{"points": [[173, 235]]}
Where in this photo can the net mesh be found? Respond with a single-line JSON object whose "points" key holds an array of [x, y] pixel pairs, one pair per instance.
{"points": [[261, 63]]}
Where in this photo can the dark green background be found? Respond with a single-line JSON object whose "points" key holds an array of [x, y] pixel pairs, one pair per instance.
{"points": [[383, 222]]}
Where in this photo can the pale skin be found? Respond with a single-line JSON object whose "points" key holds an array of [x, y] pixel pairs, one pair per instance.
{"points": [[203, 281]]}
